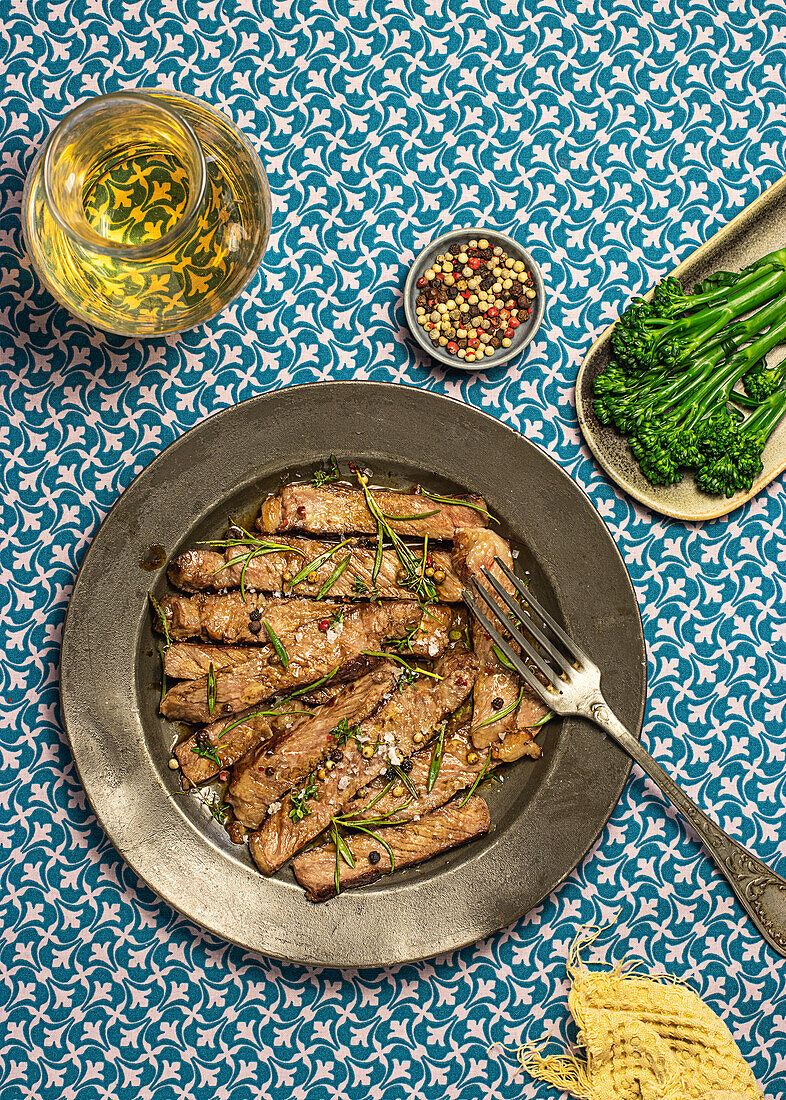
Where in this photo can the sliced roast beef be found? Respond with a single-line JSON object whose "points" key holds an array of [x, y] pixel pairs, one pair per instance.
{"points": [[413, 843], [496, 687], [190, 660], [312, 653], [229, 619], [385, 738], [205, 570], [267, 773], [334, 510]]}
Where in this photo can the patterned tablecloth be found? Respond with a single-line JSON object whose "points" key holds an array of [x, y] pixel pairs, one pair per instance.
{"points": [[610, 138]]}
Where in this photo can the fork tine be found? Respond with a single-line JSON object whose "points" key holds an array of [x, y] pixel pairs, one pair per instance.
{"points": [[526, 648], [526, 674], [575, 650], [528, 623]]}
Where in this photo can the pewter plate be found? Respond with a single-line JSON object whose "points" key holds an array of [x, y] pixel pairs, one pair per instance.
{"points": [[757, 230], [545, 815]]}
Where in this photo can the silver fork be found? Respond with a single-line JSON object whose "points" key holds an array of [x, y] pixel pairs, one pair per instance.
{"points": [[573, 688]]}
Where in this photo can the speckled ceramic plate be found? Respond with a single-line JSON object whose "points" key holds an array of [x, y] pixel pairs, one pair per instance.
{"points": [[759, 229], [545, 815]]}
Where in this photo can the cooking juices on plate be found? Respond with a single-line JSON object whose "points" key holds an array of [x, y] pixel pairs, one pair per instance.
{"points": [[333, 681]]}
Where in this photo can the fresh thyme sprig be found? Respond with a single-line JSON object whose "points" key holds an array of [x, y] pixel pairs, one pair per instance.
{"points": [[436, 758], [343, 733], [205, 748], [323, 477], [277, 644], [219, 810], [475, 785], [404, 778], [360, 587], [461, 503], [315, 563], [342, 565], [211, 688], [298, 799]]}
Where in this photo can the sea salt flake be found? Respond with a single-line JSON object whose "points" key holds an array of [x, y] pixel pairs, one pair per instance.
{"points": [[273, 808], [343, 782]]}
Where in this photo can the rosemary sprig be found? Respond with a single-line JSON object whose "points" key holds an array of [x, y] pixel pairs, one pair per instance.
{"points": [[461, 503], [414, 579], [361, 825], [404, 778], [323, 477], [277, 644], [315, 563], [163, 671], [158, 609], [260, 714], [475, 785], [310, 687], [416, 515], [342, 565], [211, 688], [258, 548], [542, 722], [401, 661], [436, 758], [500, 713], [298, 799], [503, 660]]}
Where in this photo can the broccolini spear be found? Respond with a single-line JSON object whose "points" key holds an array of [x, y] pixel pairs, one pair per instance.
{"points": [[731, 462], [675, 363]]}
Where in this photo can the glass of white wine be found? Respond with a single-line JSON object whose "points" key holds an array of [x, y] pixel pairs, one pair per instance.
{"points": [[146, 212]]}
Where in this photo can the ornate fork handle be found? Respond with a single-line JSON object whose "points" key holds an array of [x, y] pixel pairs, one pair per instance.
{"points": [[759, 890]]}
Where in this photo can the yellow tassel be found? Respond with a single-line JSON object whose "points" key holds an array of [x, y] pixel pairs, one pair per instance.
{"points": [[646, 1036]]}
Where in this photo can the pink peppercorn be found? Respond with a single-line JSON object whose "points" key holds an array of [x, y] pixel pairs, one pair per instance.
{"points": [[324, 624], [452, 347]]}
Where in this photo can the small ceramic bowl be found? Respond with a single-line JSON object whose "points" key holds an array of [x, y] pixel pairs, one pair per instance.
{"points": [[523, 334]]}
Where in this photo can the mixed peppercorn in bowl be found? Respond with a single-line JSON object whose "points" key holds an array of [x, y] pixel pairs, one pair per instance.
{"points": [[474, 297]]}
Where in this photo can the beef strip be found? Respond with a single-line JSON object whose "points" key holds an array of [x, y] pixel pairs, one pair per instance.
{"points": [[227, 618], [334, 510], [229, 747], [455, 774], [313, 653], [263, 776], [413, 843], [190, 660], [496, 686], [202, 570], [415, 710]]}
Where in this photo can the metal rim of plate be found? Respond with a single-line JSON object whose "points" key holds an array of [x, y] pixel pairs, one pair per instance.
{"points": [[559, 805], [523, 335], [755, 231]]}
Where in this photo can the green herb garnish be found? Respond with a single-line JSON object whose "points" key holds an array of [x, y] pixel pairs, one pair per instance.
{"points": [[417, 515], [342, 565], [360, 587], [414, 579], [343, 733], [436, 758], [298, 799], [474, 786], [500, 713], [400, 660], [205, 748], [257, 548], [163, 671], [461, 503], [316, 563], [361, 825], [503, 660], [211, 688], [323, 477], [275, 641], [310, 687], [404, 778], [261, 714], [158, 609]]}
